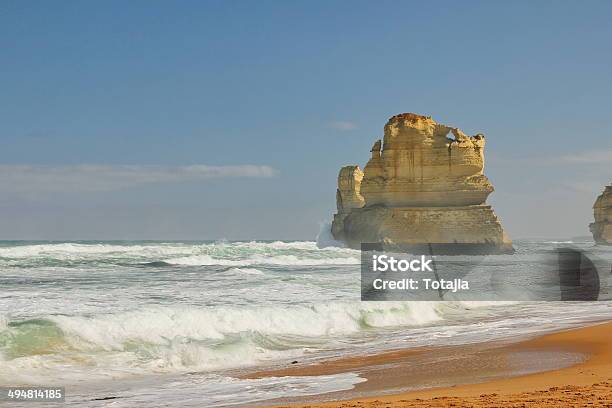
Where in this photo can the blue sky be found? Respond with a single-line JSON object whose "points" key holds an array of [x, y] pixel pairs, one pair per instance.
{"points": [[294, 90]]}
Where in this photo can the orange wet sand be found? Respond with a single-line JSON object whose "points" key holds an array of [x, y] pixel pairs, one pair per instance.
{"points": [[585, 384]]}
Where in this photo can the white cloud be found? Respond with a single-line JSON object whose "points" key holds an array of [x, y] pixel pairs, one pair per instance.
{"points": [[92, 177], [587, 157], [343, 125]]}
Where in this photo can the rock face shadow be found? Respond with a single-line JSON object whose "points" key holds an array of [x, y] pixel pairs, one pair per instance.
{"points": [[602, 211]]}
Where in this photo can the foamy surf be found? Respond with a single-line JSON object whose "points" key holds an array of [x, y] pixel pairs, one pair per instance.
{"points": [[213, 253], [280, 260], [218, 391], [175, 340], [247, 271], [157, 314], [180, 340]]}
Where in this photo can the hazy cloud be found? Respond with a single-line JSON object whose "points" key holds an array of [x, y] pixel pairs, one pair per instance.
{"points": [[586, 157], [92, 177], [343, 125], [587, 187]]}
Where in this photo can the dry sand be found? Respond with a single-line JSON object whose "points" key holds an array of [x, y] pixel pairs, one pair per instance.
{"points": [[477, 375]]}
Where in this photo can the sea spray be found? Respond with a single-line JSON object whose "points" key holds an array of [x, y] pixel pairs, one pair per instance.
{"points": [[325, 239]]}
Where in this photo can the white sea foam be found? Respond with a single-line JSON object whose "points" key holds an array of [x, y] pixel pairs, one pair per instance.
{"points": [[75, 250], [281, 260], [247, 271], [161, 325], [303, 245], [219, 391], [120, 313], [158, 251], [205, 339]]}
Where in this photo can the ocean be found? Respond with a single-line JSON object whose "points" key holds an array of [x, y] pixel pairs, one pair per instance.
{"points": [[144, 324]]}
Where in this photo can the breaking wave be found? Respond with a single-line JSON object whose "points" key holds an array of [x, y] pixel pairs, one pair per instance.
{"points": [[284, 260], [302, 253], [176, 339]]}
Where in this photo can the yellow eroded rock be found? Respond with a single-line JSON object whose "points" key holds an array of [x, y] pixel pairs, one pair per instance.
{"points": [[424, 184], [602, 210]]}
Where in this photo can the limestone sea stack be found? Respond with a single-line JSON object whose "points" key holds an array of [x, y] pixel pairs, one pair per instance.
{"points": [[602, 209], [423, 188]]}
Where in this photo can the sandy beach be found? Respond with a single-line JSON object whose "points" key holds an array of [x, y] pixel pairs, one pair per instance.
{"points": [[478, 375]]}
